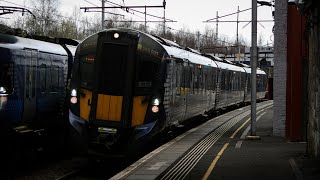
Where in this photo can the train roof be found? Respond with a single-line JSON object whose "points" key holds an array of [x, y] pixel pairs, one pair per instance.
{"points": [[224, 64], [259, 71], [177, 52], [227, 66], [192, 57], [15, 42]]}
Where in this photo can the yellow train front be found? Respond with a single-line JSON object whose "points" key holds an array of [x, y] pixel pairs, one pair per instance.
{"points": [[117, 89]]}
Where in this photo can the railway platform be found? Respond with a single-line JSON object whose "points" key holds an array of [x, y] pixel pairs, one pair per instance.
{"points": [[220, 149]]}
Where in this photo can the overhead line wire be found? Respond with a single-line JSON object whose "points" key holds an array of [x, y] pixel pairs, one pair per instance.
{"points": [[229, 14], [115, 4], [54, 13]]}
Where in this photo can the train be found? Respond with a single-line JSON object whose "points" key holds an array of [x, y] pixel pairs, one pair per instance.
{"points": [[128, 86], [34, 76]]}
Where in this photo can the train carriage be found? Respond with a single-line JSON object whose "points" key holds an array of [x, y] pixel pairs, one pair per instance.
{"points": [[231, 80], [33, 80], [128, 86], [262, 79]]}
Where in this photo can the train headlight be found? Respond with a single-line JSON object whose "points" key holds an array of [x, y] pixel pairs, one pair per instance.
{"points": [[116, 35], [73, 98], [73, 92], [2, 90], [156, 102]]}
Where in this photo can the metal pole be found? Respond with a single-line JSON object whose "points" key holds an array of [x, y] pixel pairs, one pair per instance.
{"points": [[253, 68], [238, 34], [217, 26], [164, 21], [102, 15], [238, 26], [145, 18]]}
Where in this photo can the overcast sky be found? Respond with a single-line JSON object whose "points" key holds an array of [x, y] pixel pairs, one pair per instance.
{"points": [[188, 14]]}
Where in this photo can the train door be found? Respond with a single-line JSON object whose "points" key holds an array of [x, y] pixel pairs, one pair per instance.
{"points": [[210, 87], [213, 87], [31, 62], [218, 88], [179, 99], [191, 103]]}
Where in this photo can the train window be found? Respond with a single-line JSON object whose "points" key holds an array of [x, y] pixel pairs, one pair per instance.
{"points": [[113, 72], [86, 66], [61, 77], [86, 69], [229, 80], [54, 72], [243, 78], [191, 76], [196, 79], [214, 78], [180, 77], [259, 83], [209, 80], [186, 83], [6, 78], [42, 77], [222, 81], [145, 75], [249, 82]]}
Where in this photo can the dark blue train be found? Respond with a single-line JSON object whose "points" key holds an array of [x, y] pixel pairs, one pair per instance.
{"points": [[33, 81], [128, 86]]}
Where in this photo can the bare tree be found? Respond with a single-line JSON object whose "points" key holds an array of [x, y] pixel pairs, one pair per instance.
{"points": [[46, 13]]}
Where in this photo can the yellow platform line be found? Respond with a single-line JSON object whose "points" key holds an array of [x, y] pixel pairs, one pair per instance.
{"points": [[214, 162], [234, 134]]}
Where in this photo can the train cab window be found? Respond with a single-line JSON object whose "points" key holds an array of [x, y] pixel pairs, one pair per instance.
{"points": [[6, 78], [112, 71], [146, 76], [86, 69]]}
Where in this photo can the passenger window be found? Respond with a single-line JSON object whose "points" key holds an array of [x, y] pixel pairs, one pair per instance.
{"points": [[42, 77], [179, 77], [54, 71]]}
